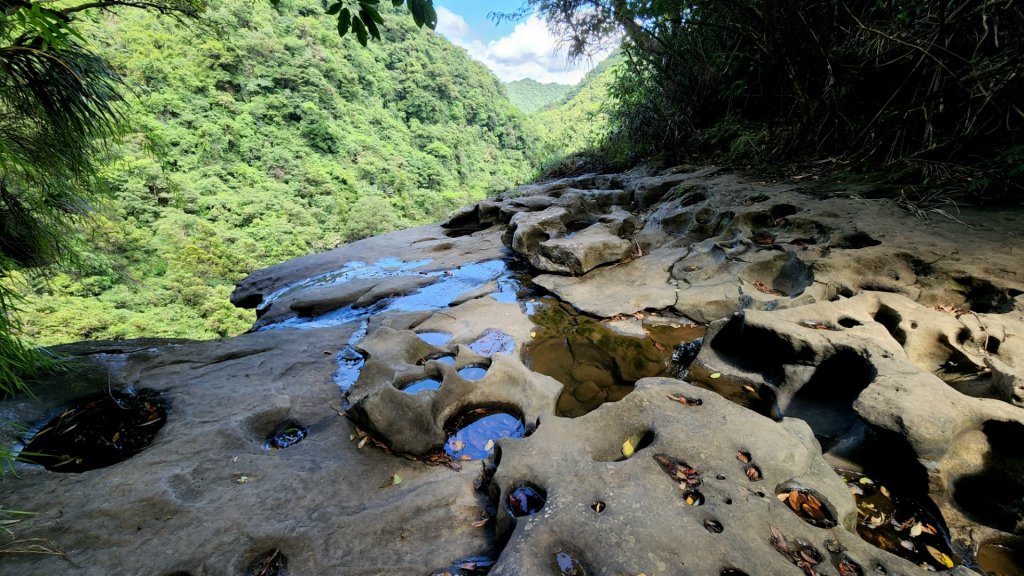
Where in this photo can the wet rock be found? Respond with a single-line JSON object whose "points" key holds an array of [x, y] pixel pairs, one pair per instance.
{"points": [[416, 423], [358, 293]]}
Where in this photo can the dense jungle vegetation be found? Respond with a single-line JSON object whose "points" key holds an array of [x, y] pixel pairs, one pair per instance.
{"points": [[529, 95], [261, 135], [925, 90], [262, 138]]}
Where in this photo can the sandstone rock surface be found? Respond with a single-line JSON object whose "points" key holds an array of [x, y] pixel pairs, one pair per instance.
{"points": [[842, 332]]}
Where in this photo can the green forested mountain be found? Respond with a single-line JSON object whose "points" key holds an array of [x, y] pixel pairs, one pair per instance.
{"points": [[261, 137], [578, 120], [529, 95]]}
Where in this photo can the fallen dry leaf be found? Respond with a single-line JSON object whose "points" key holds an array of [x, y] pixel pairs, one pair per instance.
{"points": [[939, 556], [763, 288], [753, 473]]}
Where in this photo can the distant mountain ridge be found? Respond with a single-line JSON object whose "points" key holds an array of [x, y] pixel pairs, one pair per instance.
{"points": [[529, 95]]}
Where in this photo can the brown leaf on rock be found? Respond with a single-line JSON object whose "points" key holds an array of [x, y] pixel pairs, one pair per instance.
{"points": [[685, 401], [753, 473], [743, 456], [765, 289], [848, 567], [778, 540]]}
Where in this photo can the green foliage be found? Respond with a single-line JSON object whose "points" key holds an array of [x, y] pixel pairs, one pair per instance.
{"points": [[578, 122], [269, 141], [364, 19], [530, 96], [927, 82]]}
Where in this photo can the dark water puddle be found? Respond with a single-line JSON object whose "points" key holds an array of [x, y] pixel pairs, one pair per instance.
{"points": [[472, 566], [270, 563], [422, 386], [567, 565], [286, 436], [473, 373], [435, 338], [476, 433], [760, 399], [899, 523], [98, 431], [449, 286], [526, 500], [1002, 557], [594, 363]]}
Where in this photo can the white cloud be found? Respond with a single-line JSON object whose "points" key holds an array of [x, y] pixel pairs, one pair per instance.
{"points": [[451, 24], [529, 51]]}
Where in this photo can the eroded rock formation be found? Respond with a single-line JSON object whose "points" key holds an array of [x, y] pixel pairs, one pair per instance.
{"points": [[843, 332]]}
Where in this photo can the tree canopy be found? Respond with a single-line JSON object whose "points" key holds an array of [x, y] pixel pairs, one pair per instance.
{"points": [[272, 139]]}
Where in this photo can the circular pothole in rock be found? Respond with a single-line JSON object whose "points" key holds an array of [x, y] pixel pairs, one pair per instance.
{"points": [[567, 565], [899, 522], [732, 572], [270, 563], [598, 506], [713, 526], [810, 507], [98, 431], [526, 500], [693, 498], [493, 342], [435, 338], [847, 567], [476, 432], [473, 372], [286, 435], [422, 386], [1002, 557]]}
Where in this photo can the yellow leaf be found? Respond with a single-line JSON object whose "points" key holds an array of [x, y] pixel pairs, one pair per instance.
{"points": [[716, 375], [396, 479], [865, 480], [940, 557], [628, 449]]}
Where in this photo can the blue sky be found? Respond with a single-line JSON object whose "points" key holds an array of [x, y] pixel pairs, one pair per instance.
{"points": [[512, 50], [475, 13]]}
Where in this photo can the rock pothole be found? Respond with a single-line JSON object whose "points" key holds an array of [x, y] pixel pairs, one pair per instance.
{"points": [[97, 431]]}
